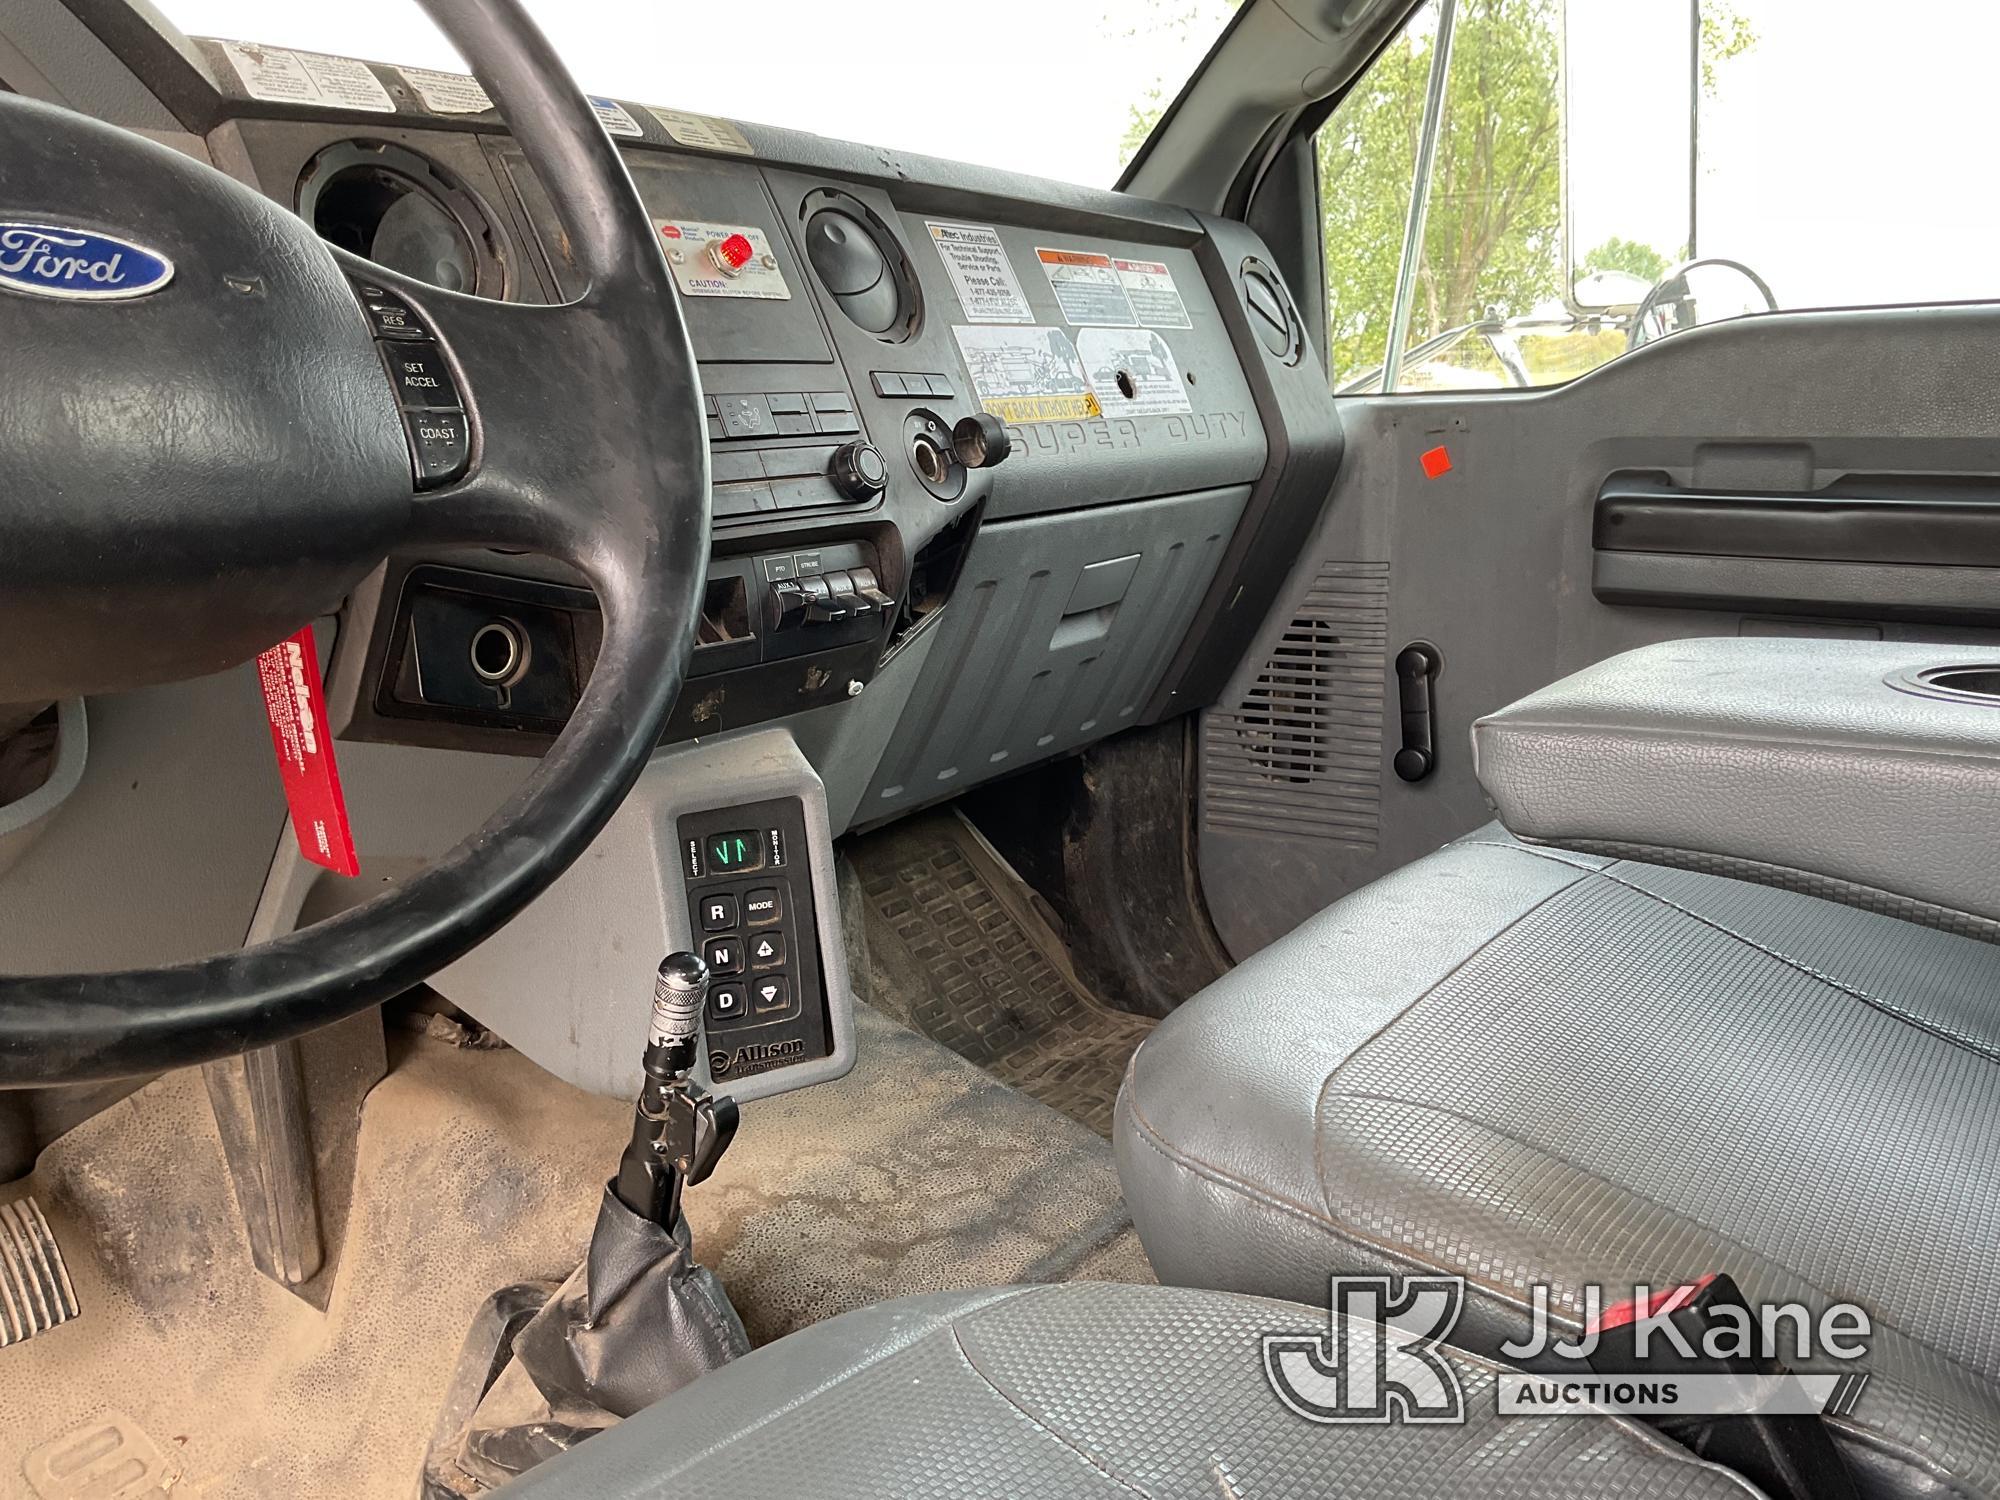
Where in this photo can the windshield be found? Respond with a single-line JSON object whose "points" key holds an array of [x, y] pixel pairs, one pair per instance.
{"points": [[1059, 88]]}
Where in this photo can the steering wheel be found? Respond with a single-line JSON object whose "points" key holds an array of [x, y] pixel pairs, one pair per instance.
{"points": [[189, 476], [1673, 287]]}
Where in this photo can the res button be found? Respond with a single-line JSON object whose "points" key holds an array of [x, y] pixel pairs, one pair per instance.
{"points": [[389, 317]]}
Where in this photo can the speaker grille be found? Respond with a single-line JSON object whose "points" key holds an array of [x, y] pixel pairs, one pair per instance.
{"points": [[1301, 754]]}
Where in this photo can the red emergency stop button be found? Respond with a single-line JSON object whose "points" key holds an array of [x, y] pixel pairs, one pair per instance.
{"points": [[733, 253]]}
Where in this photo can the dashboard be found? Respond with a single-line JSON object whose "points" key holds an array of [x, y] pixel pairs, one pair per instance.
{"points": [[1051, 447], [1000, 467]]}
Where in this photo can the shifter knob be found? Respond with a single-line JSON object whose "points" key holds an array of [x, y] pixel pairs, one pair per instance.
{"points": [[678, 996]]}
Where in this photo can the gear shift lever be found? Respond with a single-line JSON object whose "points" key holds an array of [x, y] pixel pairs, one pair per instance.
{"points": [[640, 1318], [679, 1131]]}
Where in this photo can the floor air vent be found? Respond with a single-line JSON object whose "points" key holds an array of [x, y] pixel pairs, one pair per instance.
{"points": [[1301, 754]]}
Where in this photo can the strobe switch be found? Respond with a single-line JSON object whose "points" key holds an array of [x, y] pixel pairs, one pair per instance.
{"points": [[858, 470]]}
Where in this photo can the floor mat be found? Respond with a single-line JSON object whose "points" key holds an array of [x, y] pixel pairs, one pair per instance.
{"points": [[955, 950], [475, 1168]]}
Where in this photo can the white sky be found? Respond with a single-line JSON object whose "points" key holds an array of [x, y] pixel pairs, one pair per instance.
{"points": [[1842, 155], [1838, 156], [1042, 86]]}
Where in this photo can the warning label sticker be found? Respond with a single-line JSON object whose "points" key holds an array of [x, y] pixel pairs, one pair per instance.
{"points": [[279, 75], [446, 93], [1027, 374], [722, 260], [1086, 286], [1149, 287], [980, 273], [615, 117], [1132, 372], [703, 132]]}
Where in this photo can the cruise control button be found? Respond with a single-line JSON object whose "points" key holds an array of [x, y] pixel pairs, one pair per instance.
{"points": [[422, 379], [770, 993], [762, 905], [767, 950], [440, 444], [723, 955], [390, 317], [727, 1003], [718, 912]]}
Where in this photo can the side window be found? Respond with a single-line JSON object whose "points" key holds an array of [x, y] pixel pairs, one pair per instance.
{"points": [[1519, 191]]}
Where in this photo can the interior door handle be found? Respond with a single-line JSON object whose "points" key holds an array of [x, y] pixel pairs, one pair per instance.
{"points": [[1416, 681]]}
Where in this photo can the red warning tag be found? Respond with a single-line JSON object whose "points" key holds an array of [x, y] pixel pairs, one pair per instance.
{"points": [[1436, 462], [296, 706]]}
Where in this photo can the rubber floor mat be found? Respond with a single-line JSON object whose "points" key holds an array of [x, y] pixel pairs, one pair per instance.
{"points": [[956, 951]]}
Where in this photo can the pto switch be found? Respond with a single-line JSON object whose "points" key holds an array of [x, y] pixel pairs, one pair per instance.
{"points": [[732, 254]]}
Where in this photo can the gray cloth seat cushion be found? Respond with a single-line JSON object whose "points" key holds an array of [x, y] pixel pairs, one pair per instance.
{"points": [[1527, 1066], [1084, 1389]]}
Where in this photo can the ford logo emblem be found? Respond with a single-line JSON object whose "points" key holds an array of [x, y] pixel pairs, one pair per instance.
{"points": [[47, 260]]}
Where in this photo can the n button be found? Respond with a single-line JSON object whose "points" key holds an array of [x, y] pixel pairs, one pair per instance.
{"points": [[723, 955]]}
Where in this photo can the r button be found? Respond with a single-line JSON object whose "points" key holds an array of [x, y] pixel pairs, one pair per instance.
{"points": [[718, 912]]}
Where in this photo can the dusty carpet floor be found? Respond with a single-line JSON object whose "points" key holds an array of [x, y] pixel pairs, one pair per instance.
{"points": [[918, 1172]]}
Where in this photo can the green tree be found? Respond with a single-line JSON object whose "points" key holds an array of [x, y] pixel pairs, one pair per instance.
{"points": [[1493, 231], [1725, 33], [1493, 234], [1631, 256], [1492, 238]]}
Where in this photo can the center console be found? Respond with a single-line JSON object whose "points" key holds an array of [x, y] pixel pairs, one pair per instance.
{"points": [[1866, 772], [722, 850]]}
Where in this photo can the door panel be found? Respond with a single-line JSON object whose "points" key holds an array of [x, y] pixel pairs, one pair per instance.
{"points": [[1496, 561]]}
